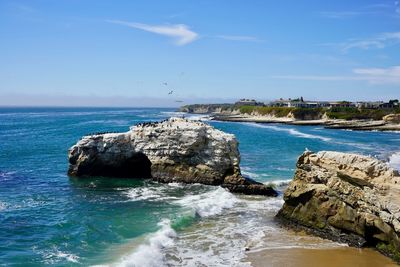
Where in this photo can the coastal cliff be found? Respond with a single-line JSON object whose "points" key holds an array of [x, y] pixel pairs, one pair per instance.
{"points": [[175, 150], [345, 197], [332, 118]]}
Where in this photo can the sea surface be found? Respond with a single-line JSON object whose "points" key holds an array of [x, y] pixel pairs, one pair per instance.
{"points": [[48, 218]]}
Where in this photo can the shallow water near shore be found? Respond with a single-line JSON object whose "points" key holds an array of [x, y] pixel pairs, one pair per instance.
{"points": [[47, 218]]}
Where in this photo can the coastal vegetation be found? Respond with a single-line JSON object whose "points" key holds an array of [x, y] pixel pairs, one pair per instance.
{"points": [[359, 114], [345, 113]]}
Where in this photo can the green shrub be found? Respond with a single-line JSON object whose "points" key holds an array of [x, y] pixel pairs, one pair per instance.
{"points": [[359, 114]]}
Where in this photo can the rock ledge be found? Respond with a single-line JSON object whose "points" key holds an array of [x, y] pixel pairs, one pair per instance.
{"points": [[345, 197]]}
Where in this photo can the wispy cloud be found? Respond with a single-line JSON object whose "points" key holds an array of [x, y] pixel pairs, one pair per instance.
{"points": [[181, 33], [242, 38], [390, 75], [380, 41]]}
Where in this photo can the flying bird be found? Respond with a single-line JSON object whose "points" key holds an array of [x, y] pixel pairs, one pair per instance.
{"points": [[170, 92], [165, 83]]}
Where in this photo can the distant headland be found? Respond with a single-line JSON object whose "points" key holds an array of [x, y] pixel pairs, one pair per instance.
{"points": [[370, 115]]}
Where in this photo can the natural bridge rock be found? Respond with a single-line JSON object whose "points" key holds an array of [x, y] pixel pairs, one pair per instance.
{"points": [[174, 150]]}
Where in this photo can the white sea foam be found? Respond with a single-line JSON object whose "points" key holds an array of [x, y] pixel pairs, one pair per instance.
{"points": [[246, 171], [394, 161], [209, 203], [297, 133], [199, 117], [57, 256], [202, 117], [252, 175], [6, 174], [151, 253], [245, 222], [3, 206], [150, 193], [291, 131], [279, 182]]}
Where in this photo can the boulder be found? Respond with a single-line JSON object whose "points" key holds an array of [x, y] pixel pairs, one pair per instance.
{"points": [[174, 150], [392, 118], [345, 197]]}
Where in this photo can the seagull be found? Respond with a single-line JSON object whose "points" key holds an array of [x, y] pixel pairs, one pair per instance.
{"points": [[165, 83], [170, 92]]}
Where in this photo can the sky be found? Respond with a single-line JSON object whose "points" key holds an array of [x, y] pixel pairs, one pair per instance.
{"points": [[169, 53]]}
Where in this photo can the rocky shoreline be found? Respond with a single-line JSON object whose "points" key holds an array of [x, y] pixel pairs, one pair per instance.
{"points": [[343, 197], [347, 198], [359, 125], [174, 150], [353, 119]]}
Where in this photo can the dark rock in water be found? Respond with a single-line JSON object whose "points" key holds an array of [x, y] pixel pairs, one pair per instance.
{"points": [[175, 150], [345, 197]]}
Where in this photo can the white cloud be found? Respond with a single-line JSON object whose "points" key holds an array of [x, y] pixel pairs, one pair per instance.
{"points": [[363, 44], [380, 41], [390, 75], [239, 38], [180, 32]]}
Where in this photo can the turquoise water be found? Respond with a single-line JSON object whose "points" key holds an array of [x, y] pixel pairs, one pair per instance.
{"points": [[47, 218]]}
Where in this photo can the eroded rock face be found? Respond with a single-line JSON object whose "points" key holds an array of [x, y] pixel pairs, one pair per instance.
{"points": [[392, 118], [345, 197], [176, 150]]}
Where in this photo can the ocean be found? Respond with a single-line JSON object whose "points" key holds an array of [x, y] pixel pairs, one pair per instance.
{"points": [[48, 218]]}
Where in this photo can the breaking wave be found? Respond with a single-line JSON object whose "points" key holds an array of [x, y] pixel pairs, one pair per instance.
{"points": [[209, 203], [151, 253]]}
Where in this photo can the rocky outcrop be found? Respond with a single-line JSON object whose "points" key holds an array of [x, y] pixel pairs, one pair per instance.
{"points": [[345, 197], [175, 150], [392, 118]]}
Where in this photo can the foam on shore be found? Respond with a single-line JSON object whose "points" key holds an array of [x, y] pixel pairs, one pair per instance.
{"points": [[394, 161]]}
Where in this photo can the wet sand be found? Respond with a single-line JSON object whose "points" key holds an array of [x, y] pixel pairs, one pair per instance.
{"points": [[332, 257]]}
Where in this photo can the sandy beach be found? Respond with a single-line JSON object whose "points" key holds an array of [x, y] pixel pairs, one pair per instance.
{"points": [[332, 257]]}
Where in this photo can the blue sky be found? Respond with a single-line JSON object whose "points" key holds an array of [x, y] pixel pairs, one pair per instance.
{"points": [[123, 52]]}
